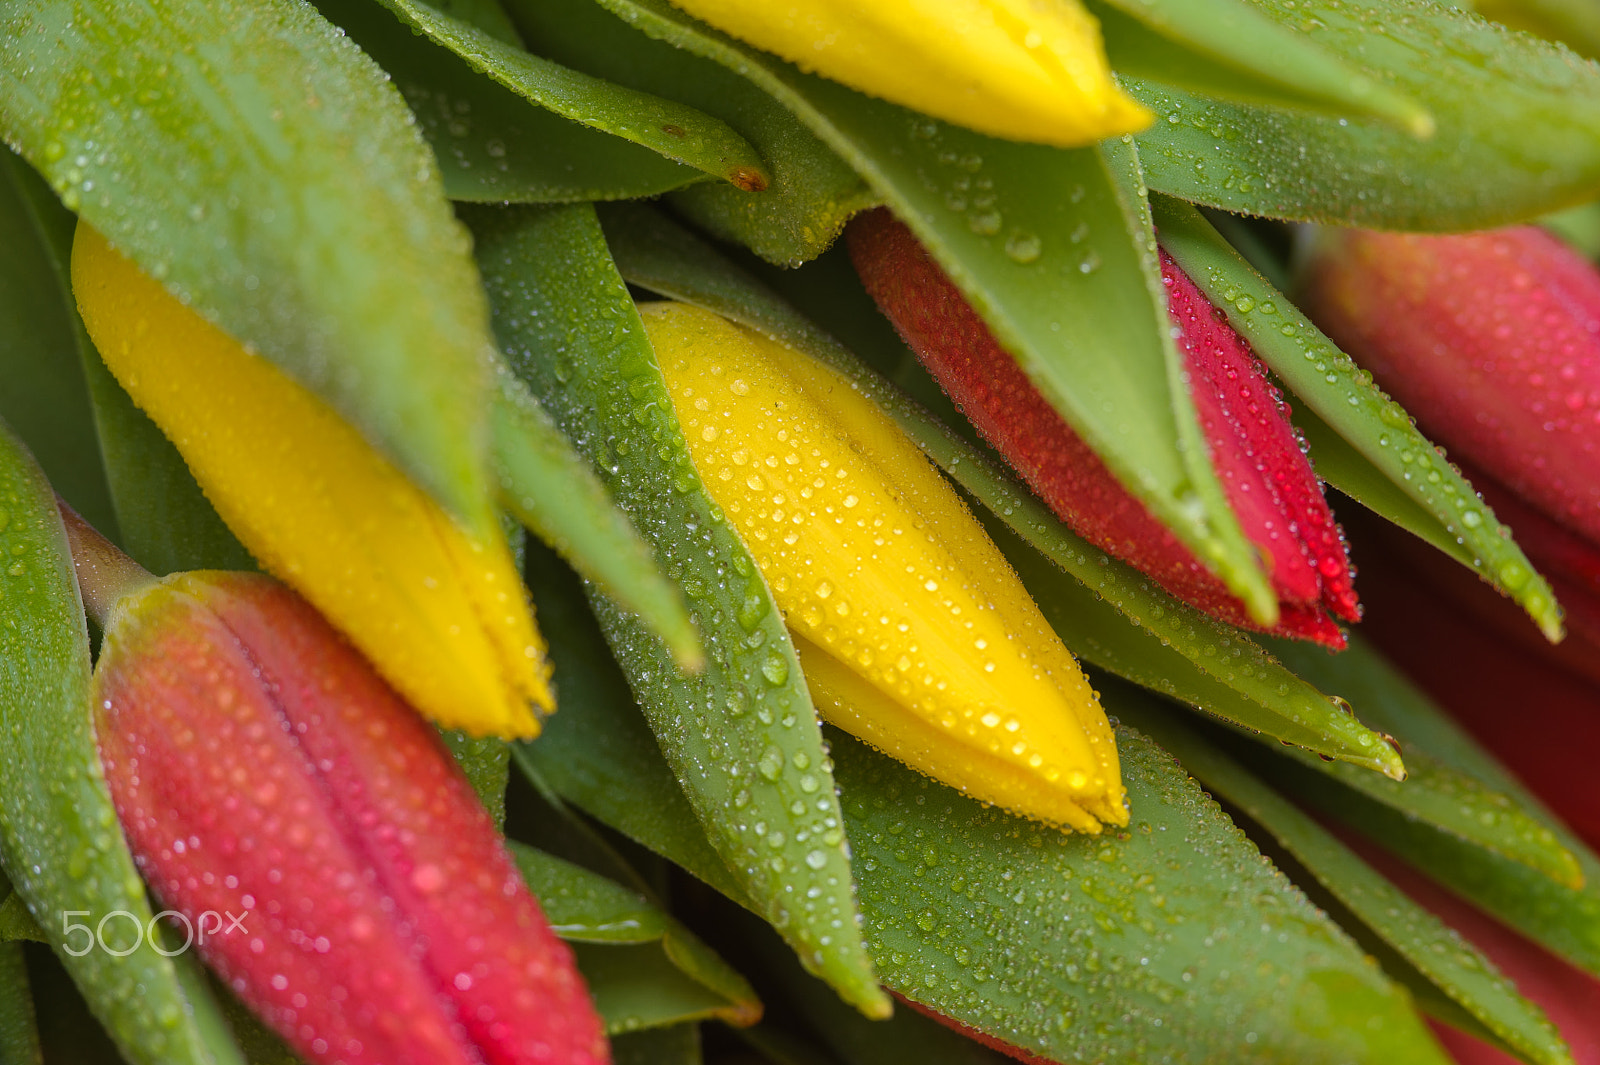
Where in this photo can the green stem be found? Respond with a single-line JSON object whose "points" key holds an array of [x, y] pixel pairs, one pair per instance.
{"points": [[105, 574]]}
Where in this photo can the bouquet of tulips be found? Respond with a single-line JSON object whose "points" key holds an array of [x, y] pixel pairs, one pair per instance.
{"points": [[554, 532]]}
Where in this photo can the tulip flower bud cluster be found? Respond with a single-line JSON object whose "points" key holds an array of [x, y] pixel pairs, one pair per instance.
{"points": [[1258, 458], [260, 767]]}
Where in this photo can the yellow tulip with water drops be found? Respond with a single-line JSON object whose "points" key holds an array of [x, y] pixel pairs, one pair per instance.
{"points": [[442, 616], [1027, 70], [914, 633]]}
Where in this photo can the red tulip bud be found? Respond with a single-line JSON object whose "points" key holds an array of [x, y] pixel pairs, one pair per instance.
{"points": [[1257, 455], [262, 770], [1492, 340]]}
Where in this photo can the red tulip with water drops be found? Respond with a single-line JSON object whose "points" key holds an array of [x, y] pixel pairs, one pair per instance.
{"points": [[262, 769], [1257, 454]]}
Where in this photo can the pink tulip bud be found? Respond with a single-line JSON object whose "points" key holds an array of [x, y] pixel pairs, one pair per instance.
{"points": [[364, 904], [1492, 340], [1256, 452]]}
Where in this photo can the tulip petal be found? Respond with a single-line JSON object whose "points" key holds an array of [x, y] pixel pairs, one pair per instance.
{"points": [[442, 615], [1008, 68]]}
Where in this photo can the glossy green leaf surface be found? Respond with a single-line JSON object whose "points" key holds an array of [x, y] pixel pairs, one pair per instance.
{"points": [[1575, 23], [644, 968], [16, 923], [1344, 396], [42, 392], [486, 761], [1106, 612], [812, 192], [1053, 248], [1169, 938], [741, 734], [554, 491], [19, 1036], [254, 160], [491, 145], [1516, 133], [59, 841], [1228, 48], [674, 130], [1564, 919], [677, 1045], [1450, 977]]}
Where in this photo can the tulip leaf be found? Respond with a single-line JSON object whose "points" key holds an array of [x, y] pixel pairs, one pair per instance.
{"points": [[1450, 978], [267, 172], [742, 733], [163, 518], [555, 492], [1029, 258], [486, 762], [1228, 48], [42, 392], [19, 1035], [1169, 938], [1108, 614], [491, 145], [17, 924], [812, 192], [1564, 919], [644, 968], [1515, 129], [1575, 23], [59, 843], [677, 1045], [1578, 227], [673, 130], [1330, 384]]}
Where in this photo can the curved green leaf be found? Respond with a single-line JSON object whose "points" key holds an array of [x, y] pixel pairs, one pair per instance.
{"points": [[1345, 397], [1053, 247], [59, 841], [671, 129], [486, 761], [812, 193], [1517, 127], [1578, 226], [490, 145], [742, 734], [42, 392], [552, 490], [19, 1036], [678, 1045], [1228, 48], [644, 968], [1575, 23], [1108, 613], [250, 157], [1452, 979]]}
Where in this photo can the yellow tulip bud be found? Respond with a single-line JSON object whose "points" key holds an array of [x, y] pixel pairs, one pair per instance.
{"points": [[914, 633], [1026, 70], [441, 615]]}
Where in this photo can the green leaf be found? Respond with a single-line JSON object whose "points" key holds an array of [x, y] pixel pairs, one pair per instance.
{"points": [[1578, 226], [1434, 792], [742, 734], [1575, 23], [1060, 279], [19, 1035], [644, 968], [164, 520], [1563, 919], [491, 146], [1107, 613], [555, 492], [59, 841], [255, 161], [812, 192], [17, 924], [1452, 979], [1228, 48], [678, 1045], [42, 392], [1344, 396], [673, 130], [1516, 128], [1169, 938], [486, 761]]}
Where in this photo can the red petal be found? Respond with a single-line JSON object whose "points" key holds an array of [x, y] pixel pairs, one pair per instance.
{"points": [[1263, 469]]}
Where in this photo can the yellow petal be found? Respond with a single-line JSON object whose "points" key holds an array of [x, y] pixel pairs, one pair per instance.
{"points": [[915, 634], [1027, 70], [443, 617]]}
